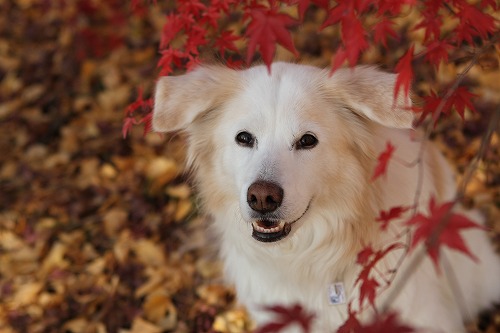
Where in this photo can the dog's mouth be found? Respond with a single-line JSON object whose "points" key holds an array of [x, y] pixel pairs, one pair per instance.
{"points": [[267, 231], [270, 231]]}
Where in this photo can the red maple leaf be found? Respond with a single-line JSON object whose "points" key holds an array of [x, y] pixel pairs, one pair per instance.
{"points": [[352, 324], [169, 58], [441, 228], [393, 7], [223, 4], [138, 103], [352, 31], [431, 105], [481, 23], [147, 121], [226, 42], [234, 63], [460, 99], [464, 32], [368, 290], [386, 217], [368, 258], [385, 322], [388, 322], [437, 51], [266, 28], [128, 123], [364, 255], [193, 7], [382, 30], [431, 102], [489, 3], [211, 16], [335, 14], [431, 21], [338, 59], [354, 38], [173, 25], [142, 105], [286, 316], [196, 37], [138, 8], [192, 62], [383, 160], [405, 72]]}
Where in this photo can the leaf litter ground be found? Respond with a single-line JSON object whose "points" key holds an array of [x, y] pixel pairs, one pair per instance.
{"points": [[100, 234]]}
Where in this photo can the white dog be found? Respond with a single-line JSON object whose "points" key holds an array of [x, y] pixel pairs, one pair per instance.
{"points": [[283, 163]]}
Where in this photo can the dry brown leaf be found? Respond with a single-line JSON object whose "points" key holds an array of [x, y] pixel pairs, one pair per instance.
{"points": [[97, 266], [162, 170], [114, 220], [26, 294], [149, 253], [123, 246], [77, 325], [184, 207], [233, 321], [181, 191], [108, 171], [55, 259], [155, 281], [208, 269], [140, 325], [213, 294], [158, 307]]}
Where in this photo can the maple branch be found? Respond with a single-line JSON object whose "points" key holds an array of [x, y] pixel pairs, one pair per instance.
{"points": [[429, 128], [454, 285], [471, 168], [437, 113], [469, 172], [433, 239]]}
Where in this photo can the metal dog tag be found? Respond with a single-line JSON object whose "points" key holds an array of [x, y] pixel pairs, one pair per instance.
{"points": [[336, 293]]}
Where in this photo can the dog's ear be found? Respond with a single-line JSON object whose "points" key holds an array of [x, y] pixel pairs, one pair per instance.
{"points": [[180, 99], [369, 93]]}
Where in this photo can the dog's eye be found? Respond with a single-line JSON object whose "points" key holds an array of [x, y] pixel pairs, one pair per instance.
{"points": [[245, 139], [307, 141]]}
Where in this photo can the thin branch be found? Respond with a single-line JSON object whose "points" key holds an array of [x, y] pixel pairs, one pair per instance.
{"points": [[418, 258], [433, 239], [472, 167]]}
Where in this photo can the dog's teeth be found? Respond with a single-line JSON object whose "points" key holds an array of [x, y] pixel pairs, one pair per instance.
{"points": [[268, 230]]}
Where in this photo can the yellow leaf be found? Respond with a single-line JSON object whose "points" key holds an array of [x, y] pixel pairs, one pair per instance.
{"points": [[55, 259], [158, 306], [184, 207], [26, 294], [141, 326], [77, 325], [149, 253]]}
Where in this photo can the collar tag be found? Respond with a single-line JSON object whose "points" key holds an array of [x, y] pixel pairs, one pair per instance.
{"points": [[336, 293]]}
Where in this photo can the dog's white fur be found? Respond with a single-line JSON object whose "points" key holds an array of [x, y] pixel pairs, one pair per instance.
{"points": [[327, 189]]}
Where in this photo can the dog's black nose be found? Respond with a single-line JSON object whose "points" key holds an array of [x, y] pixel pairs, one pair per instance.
{"points": [[264, 197]]}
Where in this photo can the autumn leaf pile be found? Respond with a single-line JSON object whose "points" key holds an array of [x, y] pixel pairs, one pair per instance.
{"points": [[101, 234]]}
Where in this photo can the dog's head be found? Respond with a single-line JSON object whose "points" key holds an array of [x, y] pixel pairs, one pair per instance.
{"points": [[272, 147]]}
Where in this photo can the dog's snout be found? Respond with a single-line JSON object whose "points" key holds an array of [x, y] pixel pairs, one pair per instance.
{"points": [[264, 197]]}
